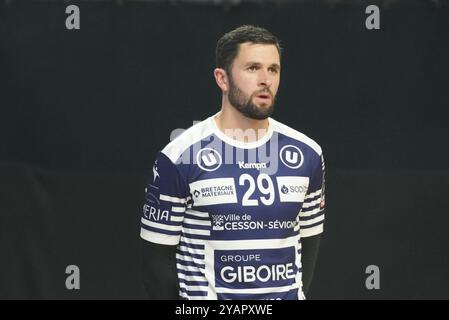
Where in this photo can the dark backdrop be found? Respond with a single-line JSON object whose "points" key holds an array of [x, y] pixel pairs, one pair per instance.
{"points": [[83, 113]]}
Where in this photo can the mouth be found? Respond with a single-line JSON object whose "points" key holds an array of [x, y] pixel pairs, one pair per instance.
{"points": [[264, 96]]}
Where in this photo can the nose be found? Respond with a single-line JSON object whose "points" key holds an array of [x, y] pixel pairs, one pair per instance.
{"points": [[265, 83], [264, 79]]}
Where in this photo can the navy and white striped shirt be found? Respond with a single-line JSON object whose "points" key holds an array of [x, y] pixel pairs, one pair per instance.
{"points": [[236, 211]]}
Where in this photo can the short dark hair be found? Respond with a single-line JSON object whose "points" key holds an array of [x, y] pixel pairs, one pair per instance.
{"points": [[228, 45]]}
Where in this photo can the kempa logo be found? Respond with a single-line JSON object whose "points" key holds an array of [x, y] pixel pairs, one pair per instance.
{"points": [[252, 165]]}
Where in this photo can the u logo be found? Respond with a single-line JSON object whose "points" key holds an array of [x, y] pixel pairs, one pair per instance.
{"points": [[208, 159], [291, 156]]}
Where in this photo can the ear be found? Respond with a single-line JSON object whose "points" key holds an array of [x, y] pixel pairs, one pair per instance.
{"points": [[222, 79]]}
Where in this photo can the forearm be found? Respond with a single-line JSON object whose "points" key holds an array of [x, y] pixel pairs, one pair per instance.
{"points": [[159, 271], [310, 248]]}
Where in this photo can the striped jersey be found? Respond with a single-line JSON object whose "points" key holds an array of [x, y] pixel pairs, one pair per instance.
{"points": [[236, 211]]}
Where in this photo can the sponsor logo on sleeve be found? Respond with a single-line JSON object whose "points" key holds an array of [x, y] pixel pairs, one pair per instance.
{"points": [[155, 172], [322, 203], [155, 214]]}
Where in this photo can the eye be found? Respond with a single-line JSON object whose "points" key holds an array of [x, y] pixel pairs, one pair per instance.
{"points": [[274, 70], [252, 68]]}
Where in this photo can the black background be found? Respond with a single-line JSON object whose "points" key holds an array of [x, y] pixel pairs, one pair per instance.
{"points": [[83, 113]]}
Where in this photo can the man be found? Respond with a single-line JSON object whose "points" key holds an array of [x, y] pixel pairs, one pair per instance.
{"points": [[235, 207]]}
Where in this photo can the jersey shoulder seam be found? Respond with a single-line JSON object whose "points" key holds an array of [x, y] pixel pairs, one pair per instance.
{"points": [[175, 148], [299, 136]]}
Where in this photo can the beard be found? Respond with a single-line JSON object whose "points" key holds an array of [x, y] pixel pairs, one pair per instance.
{"points": [[240, 101]]}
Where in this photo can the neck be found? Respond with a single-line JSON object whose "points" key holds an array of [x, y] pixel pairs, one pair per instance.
{"points": [[230, 121]]}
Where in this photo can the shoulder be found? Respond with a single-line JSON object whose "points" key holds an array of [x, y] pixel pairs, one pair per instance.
{"points": [[186, 139], [296, 135]]}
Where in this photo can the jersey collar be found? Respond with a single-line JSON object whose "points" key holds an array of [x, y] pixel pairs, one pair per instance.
{"points": [[237, 143]]}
